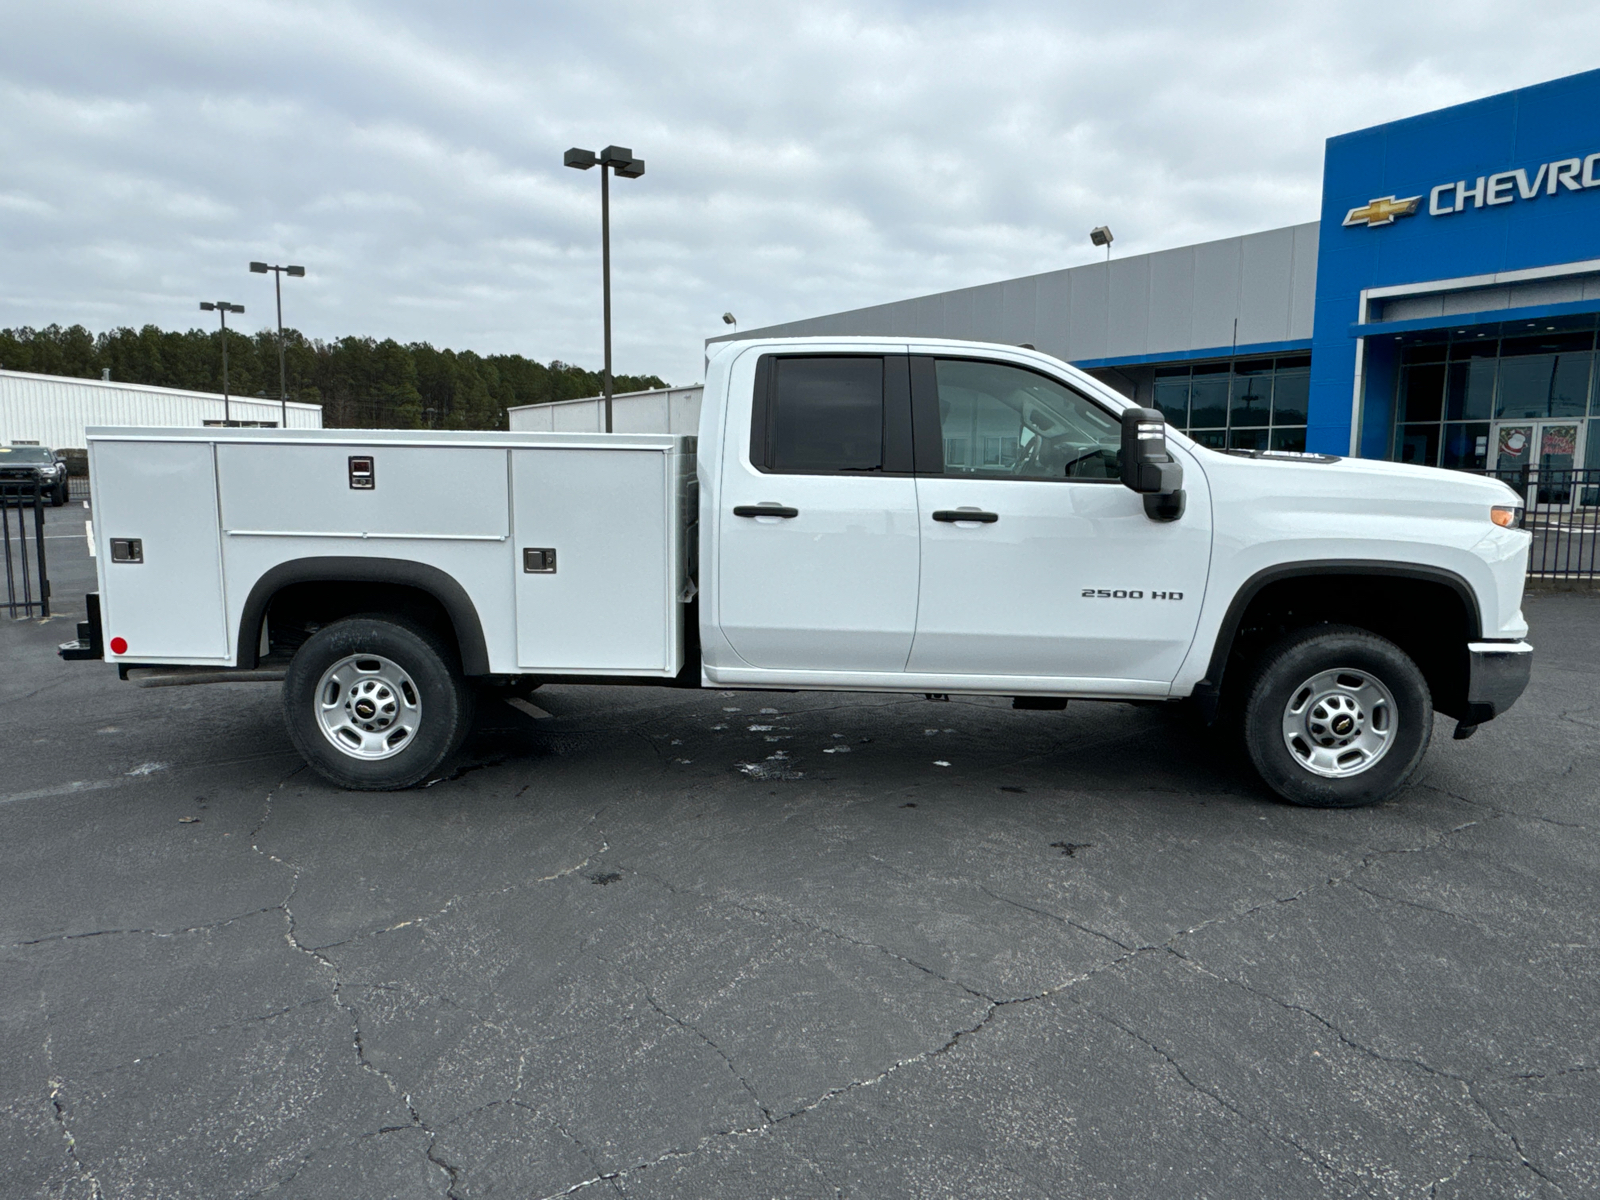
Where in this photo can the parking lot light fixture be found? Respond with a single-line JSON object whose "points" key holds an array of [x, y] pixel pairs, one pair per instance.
{"points": [[222, 308], [1100, 235], [729, 319], [621, 160], [261, 268]]}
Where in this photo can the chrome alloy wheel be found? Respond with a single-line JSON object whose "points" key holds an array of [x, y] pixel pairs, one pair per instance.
{"points": [[1339, 723], [368, 707]]}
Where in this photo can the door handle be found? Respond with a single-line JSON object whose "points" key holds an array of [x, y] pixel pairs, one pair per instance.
{"points": [[965, 514], [765, 510]]}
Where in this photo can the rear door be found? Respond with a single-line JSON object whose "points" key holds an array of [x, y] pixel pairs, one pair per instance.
{"points": [[1036, 561], [818, 546]]}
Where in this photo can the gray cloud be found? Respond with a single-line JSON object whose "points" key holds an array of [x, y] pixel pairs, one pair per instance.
{"points": [[802, 158]]}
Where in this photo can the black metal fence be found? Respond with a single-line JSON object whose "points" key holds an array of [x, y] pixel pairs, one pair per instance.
{"points": [[22, 534], [78, 487], [1562, 511]]}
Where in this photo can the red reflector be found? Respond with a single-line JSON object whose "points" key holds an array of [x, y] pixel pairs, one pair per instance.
{"points": [[119, 645]]}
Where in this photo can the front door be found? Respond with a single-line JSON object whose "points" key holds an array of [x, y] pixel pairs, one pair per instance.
{"points": [[817, 547], [1057, 571], [1551, 446]]}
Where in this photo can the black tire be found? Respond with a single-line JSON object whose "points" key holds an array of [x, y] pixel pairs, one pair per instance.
{"points": [[1279, 679], [443, 698]]}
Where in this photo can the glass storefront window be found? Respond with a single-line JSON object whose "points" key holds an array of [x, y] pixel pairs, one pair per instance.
{"points": [[1291, 397], [1418, 444], [1242, 405], [1466, 446], [1208, 397], [1250, 402], [1544, 385], [1485, 397], [1289, 439], [1247, 439], [1172, 396], [1470, 387], [1421, 392]]}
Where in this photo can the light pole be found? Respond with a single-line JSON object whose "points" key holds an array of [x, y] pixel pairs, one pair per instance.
{"points": [[261, 268], [222, 308], [1100, 235], [621, 160], [730, 319]]}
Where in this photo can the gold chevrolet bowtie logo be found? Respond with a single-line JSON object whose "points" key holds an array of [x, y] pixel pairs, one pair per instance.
{"points": [[1382, 211]]}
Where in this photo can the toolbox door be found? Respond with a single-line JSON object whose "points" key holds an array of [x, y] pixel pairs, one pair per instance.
{"points": [[165, 601]]}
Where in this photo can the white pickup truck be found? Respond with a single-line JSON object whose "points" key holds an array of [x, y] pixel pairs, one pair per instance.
{"points": [[888, 515]]}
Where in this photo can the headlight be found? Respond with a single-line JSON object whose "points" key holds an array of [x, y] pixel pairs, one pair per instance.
{"points": [[1507, 516]]}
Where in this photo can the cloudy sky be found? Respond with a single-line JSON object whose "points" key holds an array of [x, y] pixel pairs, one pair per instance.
{"points": [[802, 158]]}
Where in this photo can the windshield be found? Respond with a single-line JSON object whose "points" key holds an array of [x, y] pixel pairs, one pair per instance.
{"points": [[26, 454]]}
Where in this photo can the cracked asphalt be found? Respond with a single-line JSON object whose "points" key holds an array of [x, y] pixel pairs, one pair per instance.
{"points": [[754, 945]]}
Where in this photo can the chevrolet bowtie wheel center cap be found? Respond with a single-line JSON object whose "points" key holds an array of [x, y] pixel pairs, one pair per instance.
{"points": [[368, 706], [1339, 723]]}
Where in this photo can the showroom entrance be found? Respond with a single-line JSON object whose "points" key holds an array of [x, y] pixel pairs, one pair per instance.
{"points": [[1499, 397]]}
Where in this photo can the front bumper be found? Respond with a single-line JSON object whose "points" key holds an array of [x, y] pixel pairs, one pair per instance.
{"points": [[1498, 674]]}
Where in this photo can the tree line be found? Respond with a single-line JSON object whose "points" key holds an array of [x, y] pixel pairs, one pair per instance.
{"points": [[361, 383]]}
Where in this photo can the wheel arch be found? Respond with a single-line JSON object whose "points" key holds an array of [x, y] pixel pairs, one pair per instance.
{"points": [[432, 582], [1352, 576]]}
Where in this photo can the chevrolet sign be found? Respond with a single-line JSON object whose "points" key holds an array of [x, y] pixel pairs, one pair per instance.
{"points": [[1487, 191]]}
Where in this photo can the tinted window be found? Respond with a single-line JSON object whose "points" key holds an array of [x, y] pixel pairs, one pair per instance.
{"points": [[999, 420], [826, 414], [26, 454]]}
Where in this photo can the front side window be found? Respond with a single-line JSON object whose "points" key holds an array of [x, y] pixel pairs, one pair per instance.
{"points": [[1000, 421], [825, 415]]}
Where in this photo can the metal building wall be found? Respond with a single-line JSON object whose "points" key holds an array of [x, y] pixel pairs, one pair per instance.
{"points": [[54, 410], [1173, 303], [662, 410]]}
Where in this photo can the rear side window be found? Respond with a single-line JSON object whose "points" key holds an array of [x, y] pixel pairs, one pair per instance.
{"points": [[827, 414]]}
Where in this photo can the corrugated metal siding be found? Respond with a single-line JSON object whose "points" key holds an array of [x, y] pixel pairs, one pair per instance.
{"points": [[663, 410], [54, 410], [1168, 302]]}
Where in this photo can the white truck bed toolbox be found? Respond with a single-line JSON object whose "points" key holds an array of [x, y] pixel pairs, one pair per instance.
{"points": [[573, 549]]}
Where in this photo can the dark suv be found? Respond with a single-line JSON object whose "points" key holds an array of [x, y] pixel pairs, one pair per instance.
{"points": [[36, 463]]}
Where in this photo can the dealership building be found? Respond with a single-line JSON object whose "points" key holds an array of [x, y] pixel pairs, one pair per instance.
{"points": [[1443, 310]]}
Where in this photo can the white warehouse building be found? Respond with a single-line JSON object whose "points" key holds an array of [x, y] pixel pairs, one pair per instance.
{"points": [[54, 410], [659, 410]]}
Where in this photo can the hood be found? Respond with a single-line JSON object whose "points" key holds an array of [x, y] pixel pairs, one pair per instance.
{"points": [[1366, 479]]}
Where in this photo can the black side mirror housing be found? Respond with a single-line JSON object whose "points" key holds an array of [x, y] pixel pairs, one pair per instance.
{"points": [[1148, 467]]}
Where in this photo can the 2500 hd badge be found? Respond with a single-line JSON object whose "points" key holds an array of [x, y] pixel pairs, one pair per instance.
{"points": [[1127, 594]]}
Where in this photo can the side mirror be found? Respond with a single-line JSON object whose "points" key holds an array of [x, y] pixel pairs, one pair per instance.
{"points": [[1147, 466]]}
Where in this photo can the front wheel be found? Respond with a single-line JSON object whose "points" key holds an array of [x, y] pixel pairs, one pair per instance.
{"points": [[1337, 717], [375, 703]]}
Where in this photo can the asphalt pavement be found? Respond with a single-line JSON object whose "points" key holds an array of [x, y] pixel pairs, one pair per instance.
{"points": [[721, 944]]}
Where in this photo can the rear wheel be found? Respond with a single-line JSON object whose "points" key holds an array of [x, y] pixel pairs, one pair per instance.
{"points": [[375, 703], [1337, 717]]}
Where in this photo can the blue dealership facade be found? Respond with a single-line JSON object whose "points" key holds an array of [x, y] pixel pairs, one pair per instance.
{"points": [[1444, 309]]}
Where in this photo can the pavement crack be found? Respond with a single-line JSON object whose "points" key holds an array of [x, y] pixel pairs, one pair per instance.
{"points": [[156, 933], [1311, 1156], [815, 927], [1078, 925], [465, 897], [1468, 1088], [59, 1107], [704, 1037]]}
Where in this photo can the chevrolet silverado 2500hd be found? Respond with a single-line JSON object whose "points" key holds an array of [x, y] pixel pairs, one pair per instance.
{"points": [[894, 515]]}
